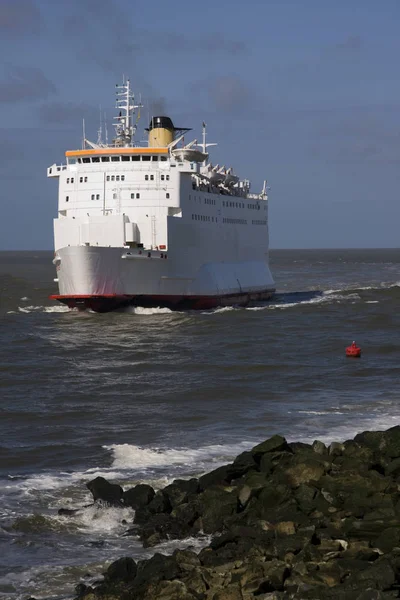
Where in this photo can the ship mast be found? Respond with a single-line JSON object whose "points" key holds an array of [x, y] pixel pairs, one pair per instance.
{"points": [[125, 128]]}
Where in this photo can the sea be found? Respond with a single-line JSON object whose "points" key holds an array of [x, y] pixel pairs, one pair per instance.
{"points": [[149, 395]]}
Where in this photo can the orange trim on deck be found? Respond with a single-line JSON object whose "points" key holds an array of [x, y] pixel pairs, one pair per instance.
{"points": [[108, 151]]}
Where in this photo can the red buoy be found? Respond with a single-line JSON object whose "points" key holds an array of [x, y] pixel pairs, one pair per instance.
{"points": [[353, 350]]}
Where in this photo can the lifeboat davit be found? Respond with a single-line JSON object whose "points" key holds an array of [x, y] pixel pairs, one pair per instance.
{"points": [[353, 350]]}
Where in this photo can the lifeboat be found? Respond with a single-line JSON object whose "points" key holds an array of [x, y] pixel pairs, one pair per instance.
{"points": [[189, 154], [353, 350]]}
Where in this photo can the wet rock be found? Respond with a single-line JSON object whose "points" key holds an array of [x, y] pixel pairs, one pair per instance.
{"points": [[123, 569], [217, 477], [276, 443], [139, 496], [107, 492], [180, 490]]}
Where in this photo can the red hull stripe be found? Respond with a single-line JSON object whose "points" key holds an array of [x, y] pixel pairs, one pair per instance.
{"points": [[109, 302]]}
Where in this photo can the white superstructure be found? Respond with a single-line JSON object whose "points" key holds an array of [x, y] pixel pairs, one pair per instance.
{"points": [[156, 225]]}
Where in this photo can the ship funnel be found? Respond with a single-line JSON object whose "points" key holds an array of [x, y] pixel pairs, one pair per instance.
{"points": [[161, 132]]}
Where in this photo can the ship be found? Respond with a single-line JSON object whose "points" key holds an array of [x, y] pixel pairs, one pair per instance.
{"points": [[156, 224]]}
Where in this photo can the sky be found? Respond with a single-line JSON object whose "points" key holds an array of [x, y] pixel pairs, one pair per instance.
{"points": [[303, 93]]}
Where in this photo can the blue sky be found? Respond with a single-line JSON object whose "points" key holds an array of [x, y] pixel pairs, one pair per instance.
{"points": [[305, 94]]}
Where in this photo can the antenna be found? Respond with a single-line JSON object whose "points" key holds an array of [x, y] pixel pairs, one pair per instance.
{"points": [[125, 103], [83, 135], [106, 128], [100, 130]]}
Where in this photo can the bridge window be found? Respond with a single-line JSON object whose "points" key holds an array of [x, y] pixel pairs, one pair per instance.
{"points": [[96, 159], [136, 157], [105, 159], [115, 158], [146, 158], [154, 158], [125, 158], [86, 160], [163, 158]]}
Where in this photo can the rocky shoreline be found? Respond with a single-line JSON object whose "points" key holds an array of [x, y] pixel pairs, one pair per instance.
{"points": [[288, 521]]}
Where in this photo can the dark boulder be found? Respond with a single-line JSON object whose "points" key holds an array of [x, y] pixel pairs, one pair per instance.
{"points": [[180, 490], [101, 489], [217, 477], [123, 569], [276, 443], [139, 496]]}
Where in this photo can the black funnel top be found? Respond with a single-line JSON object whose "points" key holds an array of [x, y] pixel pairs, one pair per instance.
{"points": [[165, 123]]}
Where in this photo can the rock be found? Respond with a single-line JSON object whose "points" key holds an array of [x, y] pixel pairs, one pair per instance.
{"points": [[217, 477], [107, 492], [285, 528], [276, 443], [335, 449], [241, 465], [319, 447], [123, 569], [180, 490], [304, 472], [68, 512], [139, 496], [215, 505], [386, 443]]}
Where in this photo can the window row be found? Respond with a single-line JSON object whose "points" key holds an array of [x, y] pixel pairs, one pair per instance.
{"points": [[209, 201], [164, 177], [133, 196], [233, 204], [258, 222], [115, 177], [119, 158], [70, 180], [204, 218], [235, 221], [254, 206], [95, 197]]}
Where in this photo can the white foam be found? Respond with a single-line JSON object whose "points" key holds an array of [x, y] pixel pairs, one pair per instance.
{"points": [[132, 457], [99, 519], [57, 308], [140, 310]]}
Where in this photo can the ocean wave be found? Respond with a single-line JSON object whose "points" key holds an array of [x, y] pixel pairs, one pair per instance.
{"points": [[58, 308], [141, 310], [133, 457]]}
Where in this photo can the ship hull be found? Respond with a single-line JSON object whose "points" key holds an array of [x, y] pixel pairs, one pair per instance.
{"points": [[110, 303], [107, 279]]}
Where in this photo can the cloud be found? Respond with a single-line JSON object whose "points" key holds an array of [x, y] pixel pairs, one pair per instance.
{"points": [[25, 83], [66, 113], [351, 43], [10, 150], [19, 17]]}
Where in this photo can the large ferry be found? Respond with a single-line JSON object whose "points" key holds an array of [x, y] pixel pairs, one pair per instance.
{"points": [[156, 225]]}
